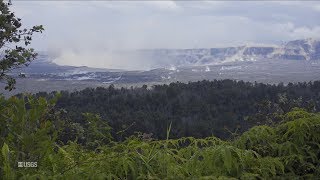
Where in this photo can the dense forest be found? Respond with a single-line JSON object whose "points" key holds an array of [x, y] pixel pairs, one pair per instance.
{"points": [[221, 108], [201, 130], [33, 130]]}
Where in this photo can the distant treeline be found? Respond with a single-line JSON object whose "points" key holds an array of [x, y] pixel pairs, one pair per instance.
{"points": [[222, 108]]}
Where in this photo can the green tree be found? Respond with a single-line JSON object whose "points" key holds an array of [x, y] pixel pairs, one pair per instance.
{"points": [[13, 45]]}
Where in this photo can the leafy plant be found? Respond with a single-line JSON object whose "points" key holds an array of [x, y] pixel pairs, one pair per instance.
{"points": [[32, 130], [12, 35]]}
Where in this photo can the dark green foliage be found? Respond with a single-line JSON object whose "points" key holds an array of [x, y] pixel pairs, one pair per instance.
{"points": [[223, 108], [27, 129], [97, 132], [289, 150], [12, 35], [296, 142]]}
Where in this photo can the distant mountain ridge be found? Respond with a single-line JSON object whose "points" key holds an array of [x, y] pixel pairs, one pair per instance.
{"points": [[295, 61], [175, 59], [305, 49]]}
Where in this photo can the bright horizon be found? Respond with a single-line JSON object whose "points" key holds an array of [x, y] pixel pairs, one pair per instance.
{"points": [[89, 32]]}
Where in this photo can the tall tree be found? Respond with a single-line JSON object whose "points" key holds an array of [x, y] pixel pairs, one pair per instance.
{"points": [[13, 45]]}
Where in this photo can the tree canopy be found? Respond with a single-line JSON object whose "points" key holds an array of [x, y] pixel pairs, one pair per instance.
{"points": [[199, 109], [14, 40], [31, 132]]}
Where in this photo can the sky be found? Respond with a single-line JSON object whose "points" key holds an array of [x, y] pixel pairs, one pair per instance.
{"points": [[91, 32]]}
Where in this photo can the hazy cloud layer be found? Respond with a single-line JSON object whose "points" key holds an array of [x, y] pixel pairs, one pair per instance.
{"points": [[91, 33]]}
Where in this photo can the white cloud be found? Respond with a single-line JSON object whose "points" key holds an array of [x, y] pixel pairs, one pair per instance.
{"points": [[317, 7], [165, 5], [305, 32], [88, 33]]}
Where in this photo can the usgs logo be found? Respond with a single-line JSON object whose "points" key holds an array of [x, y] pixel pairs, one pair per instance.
{"points": [[27, 164]]}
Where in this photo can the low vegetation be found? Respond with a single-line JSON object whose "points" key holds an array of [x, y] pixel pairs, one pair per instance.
{"points": [[32, 131], [203, 130]]}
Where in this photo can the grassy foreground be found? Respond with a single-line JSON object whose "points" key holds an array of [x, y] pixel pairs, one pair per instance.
{"points": [[30, 133]]}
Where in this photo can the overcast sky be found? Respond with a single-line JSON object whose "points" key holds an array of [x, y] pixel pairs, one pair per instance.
{"points": [[87, 28]]}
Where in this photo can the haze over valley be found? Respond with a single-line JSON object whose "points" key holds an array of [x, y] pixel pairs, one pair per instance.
{"points": [[294, 61], [90, 44], [159, 89]]}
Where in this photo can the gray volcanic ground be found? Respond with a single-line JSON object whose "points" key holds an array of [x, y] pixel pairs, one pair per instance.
{"points": [[269, 71], [296, 61]]}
